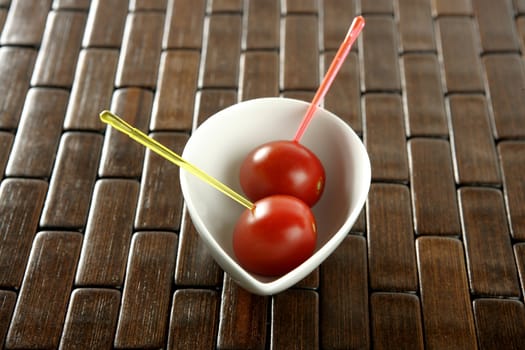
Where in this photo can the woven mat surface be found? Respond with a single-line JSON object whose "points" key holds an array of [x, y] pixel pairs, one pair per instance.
{"points": [[97, 250]]}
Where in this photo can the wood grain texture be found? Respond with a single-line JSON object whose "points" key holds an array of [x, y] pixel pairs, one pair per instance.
{"points": [[512, 160], [495, 24], [337, 17], [25, 22], [140, 53], [294, 325], [6, 141], [38, 133], [159, 206], [422, 82], [16, 67], [218, 6], [184, 27], [221, 66], [474, 151], [492, 270], [71, 4], [108, 234], [344, 317], [21, 201], [459, 50], [391, 252], [416, 27], [173, 107], [7, 305], [377, 7], [499, 323], [41, 305], [92, 89], [505, 80], [147, 5], [396, 321], [378, 55], [57, 58], [260, 75], [243, 318], [448, 320], [519, 255], [432, 187], [263, 26], [105, 23], [72, 181], [194, 312], [148, 282], [91, 319], [451, 7], [211, 101], [299, 6], [122, 156], [384, 137]]}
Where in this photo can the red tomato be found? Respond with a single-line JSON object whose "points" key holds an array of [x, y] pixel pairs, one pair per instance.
{"points": [[282, 167], [275, 237]]}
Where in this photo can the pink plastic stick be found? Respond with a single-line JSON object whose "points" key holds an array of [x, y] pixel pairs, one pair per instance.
{"points": [[355, 28]]}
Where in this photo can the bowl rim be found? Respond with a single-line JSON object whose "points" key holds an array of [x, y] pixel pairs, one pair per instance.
{"points": [[239, 274]]}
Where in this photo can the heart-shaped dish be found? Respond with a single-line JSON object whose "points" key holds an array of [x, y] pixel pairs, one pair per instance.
{"points": [[219, 145]]}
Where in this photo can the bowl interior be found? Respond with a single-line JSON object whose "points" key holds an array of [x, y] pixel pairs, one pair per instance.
{"points": [[219, 146]]}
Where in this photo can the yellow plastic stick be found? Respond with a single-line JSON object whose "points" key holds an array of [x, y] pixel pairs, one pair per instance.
{"points": [[137, 135]]}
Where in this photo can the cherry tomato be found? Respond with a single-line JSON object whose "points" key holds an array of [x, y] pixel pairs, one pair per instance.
{"points": [[282, 167], [276, 236]]}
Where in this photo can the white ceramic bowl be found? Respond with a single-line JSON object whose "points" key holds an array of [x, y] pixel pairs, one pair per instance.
{"points": [[219, 145]]}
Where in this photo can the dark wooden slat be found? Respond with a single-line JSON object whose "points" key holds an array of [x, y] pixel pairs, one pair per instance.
{"points": [[519, 252], [344, 97], [160, 202], [121, 156], [343, 293], [221, 67], [25, 22], [377, 7], [214, 100], [108, 234], [193, 322], [140, 54], [311, 281], [174, 103], [337, 16], [391, 252], [16, 67], [475, 156], [458, 45], [71, 4], [422, 82], [378, 53], [3, 16], [505, 81], [242, 319], [396, 321], [451, 7], [226, 6], [416, 29], [294, 320], [91, 319], [360, 224], [300, 6], [300, 53], [42, 303], [500, 323], [261, 75], [92, 89], [434, 201], [105, 23], [21, 201], [7, 305], [38, 133], [520, 27], [496, 25], [57, 58], [263, 26], [146, 297], [72, 181], [512, 160], [148, 5], [447, 313], [184, 27], [519, 6], [385, 137], [195, 265], [492, 270], [6, 141]]}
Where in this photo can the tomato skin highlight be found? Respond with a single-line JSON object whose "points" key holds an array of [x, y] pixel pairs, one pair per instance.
{"points": [[275, 237], [282, 167]]}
